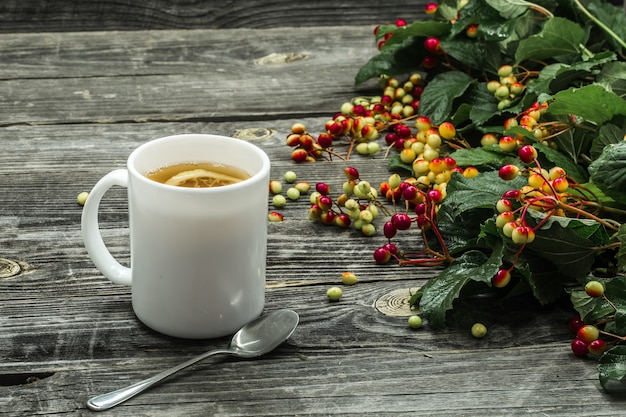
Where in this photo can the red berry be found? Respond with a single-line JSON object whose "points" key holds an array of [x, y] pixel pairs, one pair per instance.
{"points": [[508, 172], [575, 323], [299, 155], [324, 202], [429, 61], [432, 45], [343, 220], [325, 140], [597, 347], [579, 347], [527, 153], [435, 196], [389, 230], [393, 249], [390, 138], [352, 173], [328, 217], [400, 22], [512, 194], [402, 130], [401, 221], [409, 193], [501, 279], [431, 8], [382, 255], [322, 188]]}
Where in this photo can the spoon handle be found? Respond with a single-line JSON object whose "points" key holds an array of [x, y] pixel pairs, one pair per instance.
{"points": [[113, 398]]}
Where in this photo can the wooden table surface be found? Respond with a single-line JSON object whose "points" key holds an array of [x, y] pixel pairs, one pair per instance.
{"points": [[74, 104]]}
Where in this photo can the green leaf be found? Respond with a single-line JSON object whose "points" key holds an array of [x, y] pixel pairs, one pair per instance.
{"points": [[591, 310], [402, 52], [612, 366], [609, 134], [439, 94], [439, 293], [591, 102], [608, 172], [487, 155], [613, 78], [613, 17], [482, 191], [559, 36], [615, 290], [561, 243], [509, 9]]}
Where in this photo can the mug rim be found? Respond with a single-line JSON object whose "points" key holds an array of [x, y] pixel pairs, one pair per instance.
{"points": [[256, 177]]}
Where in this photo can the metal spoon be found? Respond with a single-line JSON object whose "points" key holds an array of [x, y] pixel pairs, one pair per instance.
{"points": [[256, 338]]}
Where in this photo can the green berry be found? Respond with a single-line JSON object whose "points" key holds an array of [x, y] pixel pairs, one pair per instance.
{"points": [[290, 176], [82, 198], [348, 278], [293, 193], [276, 187], [303, 187], [279, 201], [334, 293], [479, 330], [594, 289], [415, 322]]}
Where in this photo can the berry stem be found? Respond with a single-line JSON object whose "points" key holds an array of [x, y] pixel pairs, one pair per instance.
{"points": [[601, 25]]}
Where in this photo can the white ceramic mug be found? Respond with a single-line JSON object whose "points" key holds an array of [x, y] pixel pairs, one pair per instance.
{"points": [[197, 255]]}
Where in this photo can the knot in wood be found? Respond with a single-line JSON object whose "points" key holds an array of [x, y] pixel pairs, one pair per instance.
{"points": [[9, 268], [396, 303], [280, 59], [253, 133]]}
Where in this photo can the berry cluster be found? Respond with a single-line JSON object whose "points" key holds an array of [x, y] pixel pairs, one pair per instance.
{"points": [[587, 340], [507, 89], [357, 206], [546, 191]]}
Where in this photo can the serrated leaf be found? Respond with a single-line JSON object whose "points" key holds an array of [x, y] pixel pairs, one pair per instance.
{"points": [[439, 293], [555, 242], [615, 290], [439, 94], [482, 191], [608, 171], [609, 134], [509, 9], [613, 17], [486, 155], [559, 36], [591, 102], [613, 78], [612, 366], [591, 310]]}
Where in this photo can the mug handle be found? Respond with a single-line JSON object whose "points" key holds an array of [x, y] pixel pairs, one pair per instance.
{"points": [[92, 237]]}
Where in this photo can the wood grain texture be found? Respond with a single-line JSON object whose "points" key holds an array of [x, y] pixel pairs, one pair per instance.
{"points": [[85, 15], [75, 105]]}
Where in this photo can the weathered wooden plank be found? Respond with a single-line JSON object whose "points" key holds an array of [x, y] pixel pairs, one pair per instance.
{"points": [[67, 15], [178, 75]]}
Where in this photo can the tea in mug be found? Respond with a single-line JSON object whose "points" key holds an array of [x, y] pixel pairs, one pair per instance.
{"points": [[198, 175]]}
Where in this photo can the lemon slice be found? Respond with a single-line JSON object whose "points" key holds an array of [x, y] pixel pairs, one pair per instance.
{"points": [[201, 178]]}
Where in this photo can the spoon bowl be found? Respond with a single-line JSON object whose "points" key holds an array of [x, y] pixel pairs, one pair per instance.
{"points": [[256, 338]]}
